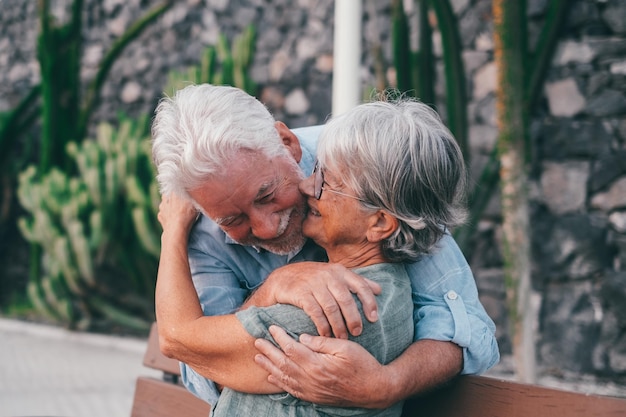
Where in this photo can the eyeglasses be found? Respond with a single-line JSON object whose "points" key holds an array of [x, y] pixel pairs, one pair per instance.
{"points": [[318, 184]]}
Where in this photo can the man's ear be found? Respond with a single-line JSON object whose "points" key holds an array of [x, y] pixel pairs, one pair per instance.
{"points": [[290, 140], [381, 226]]}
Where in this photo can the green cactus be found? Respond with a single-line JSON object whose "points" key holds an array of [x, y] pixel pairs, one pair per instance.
{"points": [[65, 106], [401, 46], [98, 230], [415, 69]]}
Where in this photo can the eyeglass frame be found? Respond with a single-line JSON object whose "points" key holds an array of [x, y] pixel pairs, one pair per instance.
{"points": [[318, 184]]}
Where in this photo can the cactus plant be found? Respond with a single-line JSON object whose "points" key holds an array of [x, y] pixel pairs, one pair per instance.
{"points": [[97, 229]]}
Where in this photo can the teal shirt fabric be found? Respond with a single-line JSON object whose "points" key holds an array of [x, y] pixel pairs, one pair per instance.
{"points": [[385, 339], [445, 297]]}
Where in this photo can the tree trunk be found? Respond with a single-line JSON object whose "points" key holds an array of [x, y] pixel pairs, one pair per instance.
{"points": [[510, 51]]}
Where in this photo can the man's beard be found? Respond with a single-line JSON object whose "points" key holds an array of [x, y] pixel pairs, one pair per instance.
{"points": [[288, 243]]}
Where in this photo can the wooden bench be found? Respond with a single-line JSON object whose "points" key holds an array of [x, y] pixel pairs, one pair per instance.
{"points": [[466, 396], [166, 397]]}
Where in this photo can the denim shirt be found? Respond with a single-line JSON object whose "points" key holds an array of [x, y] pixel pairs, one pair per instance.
{"points": [[445, 297]]}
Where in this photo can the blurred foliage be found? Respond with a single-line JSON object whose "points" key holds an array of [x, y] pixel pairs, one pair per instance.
{"points": [[415, 75], [66, 108], [60, 107], [517, 90], [221, 65], [97, 229], [90, 205], [415, 70]]}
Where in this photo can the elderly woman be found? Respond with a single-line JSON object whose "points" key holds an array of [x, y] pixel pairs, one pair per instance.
{"points": [[388, 183]]}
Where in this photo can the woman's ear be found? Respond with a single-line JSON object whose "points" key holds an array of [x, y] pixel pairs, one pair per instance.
{"points": [[382, 225], [290, 140]]}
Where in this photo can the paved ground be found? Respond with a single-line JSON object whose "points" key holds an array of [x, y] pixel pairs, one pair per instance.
{"points": [[46, 371]]}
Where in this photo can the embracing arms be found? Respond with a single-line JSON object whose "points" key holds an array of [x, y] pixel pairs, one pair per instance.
{"points": [[218, 347], [331, 371], [324, 370], [454, 335]]}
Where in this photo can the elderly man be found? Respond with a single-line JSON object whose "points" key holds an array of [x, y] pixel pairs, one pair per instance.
{"points": [[222, 149]]}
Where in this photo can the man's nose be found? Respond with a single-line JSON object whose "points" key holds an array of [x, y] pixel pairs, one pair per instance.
{"points": [[306, 186], [264, 225]]}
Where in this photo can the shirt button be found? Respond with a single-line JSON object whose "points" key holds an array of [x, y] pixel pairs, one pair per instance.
{"points": [[451, 295]]}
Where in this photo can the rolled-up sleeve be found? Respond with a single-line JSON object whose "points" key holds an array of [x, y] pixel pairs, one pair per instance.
{"points": [[447, 307]]}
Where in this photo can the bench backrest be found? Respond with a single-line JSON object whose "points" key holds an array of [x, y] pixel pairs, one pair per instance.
{"points": [[466, 396], [478, 396], [166, 397]]}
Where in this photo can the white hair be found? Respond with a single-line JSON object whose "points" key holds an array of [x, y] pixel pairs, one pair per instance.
{"points": [[196, 133], [398, 156]]}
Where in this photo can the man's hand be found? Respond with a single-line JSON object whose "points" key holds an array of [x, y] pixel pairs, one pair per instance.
{"points": [[176, 214], [342, 373], [321, 370], [324, 291]]}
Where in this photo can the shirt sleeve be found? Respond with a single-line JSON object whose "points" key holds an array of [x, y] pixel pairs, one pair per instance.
{"points": [[447, 306], [218, 287]]}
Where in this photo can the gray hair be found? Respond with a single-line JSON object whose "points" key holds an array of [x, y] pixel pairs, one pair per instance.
{"points": [[398, 156], [196, 133]]}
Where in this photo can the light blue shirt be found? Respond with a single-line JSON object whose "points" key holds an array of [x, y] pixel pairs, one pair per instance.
{"points": [[445, 297]]}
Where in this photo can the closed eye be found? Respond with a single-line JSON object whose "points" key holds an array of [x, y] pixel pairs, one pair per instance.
{"points": [[267, 198], [230, 221]]}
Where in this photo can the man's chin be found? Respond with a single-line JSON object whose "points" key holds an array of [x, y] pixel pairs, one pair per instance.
{"points": [[292, 244]]}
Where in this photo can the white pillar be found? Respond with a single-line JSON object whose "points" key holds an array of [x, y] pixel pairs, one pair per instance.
{"points": [[347, 55]]}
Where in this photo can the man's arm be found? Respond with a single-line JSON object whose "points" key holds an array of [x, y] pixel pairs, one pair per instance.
{"points": [[324, 291], [338, 372]]}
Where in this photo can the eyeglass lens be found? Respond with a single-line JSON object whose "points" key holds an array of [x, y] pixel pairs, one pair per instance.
{"points": [[318, 181]]}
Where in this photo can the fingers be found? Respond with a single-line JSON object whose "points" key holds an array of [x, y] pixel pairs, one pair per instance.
{"points": [[335, 306], [270, 359], [346, 309], [313, 307], [335, 303], [282, 365], [291, 348], [176, 211], [366, 291]]}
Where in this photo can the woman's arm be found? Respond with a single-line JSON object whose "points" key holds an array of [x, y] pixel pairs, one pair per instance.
{"points": [[217, 347]]}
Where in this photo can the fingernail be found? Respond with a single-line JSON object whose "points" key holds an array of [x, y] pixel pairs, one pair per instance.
{"points": [[374, 315], [305, 338]]}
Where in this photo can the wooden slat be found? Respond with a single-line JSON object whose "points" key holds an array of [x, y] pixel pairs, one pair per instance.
{"points": [[153, 358], [154, 398], [467, 396], [475, 396]]}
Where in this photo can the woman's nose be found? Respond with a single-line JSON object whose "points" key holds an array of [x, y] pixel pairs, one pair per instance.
{"points": [[306, 186]]}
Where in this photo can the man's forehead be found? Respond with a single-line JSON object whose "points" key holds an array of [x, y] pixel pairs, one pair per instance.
{"points": [[242, 182]]}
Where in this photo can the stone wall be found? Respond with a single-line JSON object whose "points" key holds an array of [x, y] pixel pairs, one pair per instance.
{"points": [[578, 128]]}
